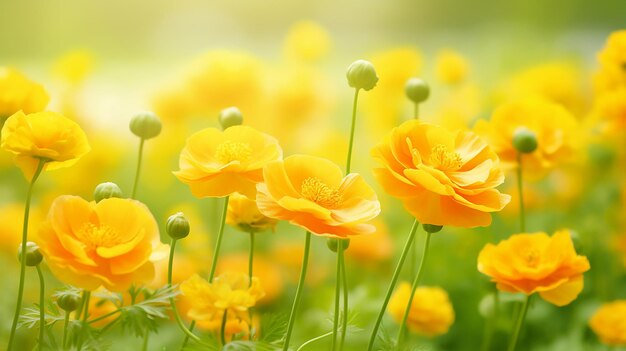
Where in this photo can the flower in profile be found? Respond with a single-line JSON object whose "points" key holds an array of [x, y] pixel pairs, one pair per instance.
{"points": [[218, 163], [243, 213], [112, 243], [312, 193], [610, 111], [536, 263], [451, 67], [609, 323], [307, 41], [441, 177], [19, 93], [431, 312], [44, 136]]}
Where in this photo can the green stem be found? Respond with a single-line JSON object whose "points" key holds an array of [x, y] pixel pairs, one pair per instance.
{"points": [[186, 341], [522, 212], [109, 326], [136, 183], [299, 289], [416, 282], [223, 328], [218, 244], [314, 340], [337, 295], [85, 310], [146, 337], [20, 290], [491, 323], [394, 280], [519, 323], [66, 322], [42, 310], [352, 129], [104, 316], [344, 320], [416, 111], [250, 263]]}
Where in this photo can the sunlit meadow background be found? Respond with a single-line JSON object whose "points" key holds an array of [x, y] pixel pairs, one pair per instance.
{"points": [[102, 62]]}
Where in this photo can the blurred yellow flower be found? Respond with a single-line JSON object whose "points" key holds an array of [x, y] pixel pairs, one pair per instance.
{"points": [[11, 217], [431, 312], [43, 136], [441, 177], [217, 164], [451, 67], [112, 243], [244, 214], [534, 262], [614, 52], [307, 41], [373, 248], [74, 66], [19, 93], [609, 323], [610, 111], [312, 193], [265, 269]]}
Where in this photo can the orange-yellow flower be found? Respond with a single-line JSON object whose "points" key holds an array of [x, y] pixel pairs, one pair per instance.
{"points": [[534, 262], [614, 52], [19, 93], [244, 214], [112, 243], [442, 177], [43, 135], [266, 270], [218, 163], [431, 312], [312, 193], [609, 323]]}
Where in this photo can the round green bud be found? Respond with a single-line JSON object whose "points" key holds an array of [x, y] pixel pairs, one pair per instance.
{"points": [[69, 302], [33, 255], [430, 228], [145, 125], [106, 190], [333, 243], [417, 90], [524, 140], [362, 75], [229, 117], [177, 226]]}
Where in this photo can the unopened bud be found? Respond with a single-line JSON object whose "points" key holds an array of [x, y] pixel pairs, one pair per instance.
{"points": [[333, 244], [417, 90], [524, 140], [177, 226], [145, 125], [106, 190], [229, 117], [362, 75], [33, 255]]}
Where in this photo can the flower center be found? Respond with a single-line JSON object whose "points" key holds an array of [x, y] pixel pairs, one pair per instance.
{"points": [[314, 189], [229, 151], [444, 160], [103, 236], [532, 257]]}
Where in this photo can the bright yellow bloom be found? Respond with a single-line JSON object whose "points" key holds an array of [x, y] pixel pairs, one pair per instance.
{"points": [[610, 111], [609, 323], [244, 214], [442, 177], [614, 52], [217, 164], [265, 269], [307, 41], [534, 262], [11, 217], [19, 93], [451, 67], [112, 243], [431, 312], [43, 135], [556, 130], [312, 193]]}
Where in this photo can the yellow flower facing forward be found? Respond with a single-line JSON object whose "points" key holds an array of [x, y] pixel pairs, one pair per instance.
{"points": [[19, 93], [557, 133], [442, 177], [451, 67], [43, 136], [312, 192], [536, 263], [431, 312], [609, 323], [217, 164], [112, 243], [244, 214]]}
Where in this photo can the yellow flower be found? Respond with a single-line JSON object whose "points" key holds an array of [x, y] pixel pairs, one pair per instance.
{"points": [[431, 312], [307, 41], [610, 111], [74, 66], [19, 93], [244, 214], [373, 248], [265, 269], [112, 243], [442, 177], [11, 217], [217, 164], [556, 130], [609, 323], [614, 52], [451, 67], [534, 262], [43, 135], [312, 193]]}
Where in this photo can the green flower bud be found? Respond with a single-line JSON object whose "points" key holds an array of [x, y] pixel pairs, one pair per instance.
{"points": [[430, 228], [177, 226], [106, 190], [333, 243], [417, 90], [362, 75], [69, 302], [145, 125], [230, 116], [33, 255], [524, 140]]}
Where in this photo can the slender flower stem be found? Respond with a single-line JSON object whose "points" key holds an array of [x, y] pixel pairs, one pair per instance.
{"points": [[416, 282], [344, 320], [314, 340], [66, 322], [519, 323], [352, 129], [218, 244], [20, 290], [146, 337], [299, 289], [250, 263], [416, 111], [42, 310], [105, 316], [491, 322], [522, 212], [394, 280], [136, 183], [191, 326], [85, 311], [223, 328], [337, 291]]}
